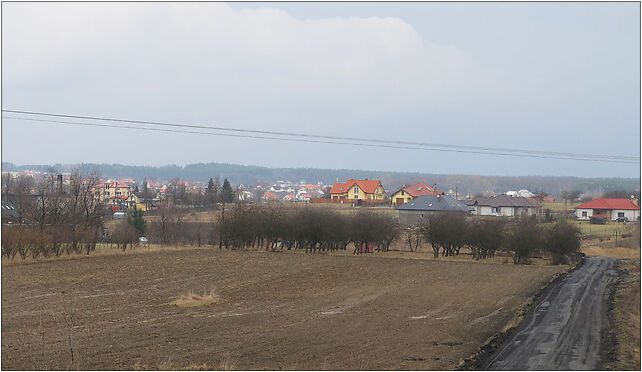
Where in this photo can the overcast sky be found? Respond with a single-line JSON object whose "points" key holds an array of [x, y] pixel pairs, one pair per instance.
{"points": [[538, 76]]}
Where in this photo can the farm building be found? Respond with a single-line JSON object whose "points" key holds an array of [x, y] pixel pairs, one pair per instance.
{"points": [[357, 190], [414, 211], [504, 205], [610, 209], [408, 193]]}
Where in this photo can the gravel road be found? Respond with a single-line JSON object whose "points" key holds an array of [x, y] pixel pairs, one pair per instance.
{"points": [[564, 330]]}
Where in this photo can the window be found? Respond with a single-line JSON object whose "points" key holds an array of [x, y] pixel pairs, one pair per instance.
{"points": [[584, 214], [369, 197], [356, 196], [356, 190], [620, 214], [495, 209], [403, 192]]}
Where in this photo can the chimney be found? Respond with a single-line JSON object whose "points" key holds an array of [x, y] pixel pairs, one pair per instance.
{"points": [[60, 183]]}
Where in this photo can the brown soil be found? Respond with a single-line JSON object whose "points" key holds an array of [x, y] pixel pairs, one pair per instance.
{"points": [[273, 310]]}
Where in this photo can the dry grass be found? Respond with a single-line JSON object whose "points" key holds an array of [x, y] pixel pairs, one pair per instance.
{"points": [[627, 317], [191, 299], [103, 250], [619, 252], [557, 206], [168, 365]]}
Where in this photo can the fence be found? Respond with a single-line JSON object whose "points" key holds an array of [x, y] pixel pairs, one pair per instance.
{"points": [[353, 202]]}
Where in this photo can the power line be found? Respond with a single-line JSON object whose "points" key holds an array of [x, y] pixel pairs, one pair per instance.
{"points": [[307, 140], [565, 155]]}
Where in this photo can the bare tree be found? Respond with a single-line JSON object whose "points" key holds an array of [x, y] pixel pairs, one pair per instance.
{"points": [[23, 197], [7, 185]]}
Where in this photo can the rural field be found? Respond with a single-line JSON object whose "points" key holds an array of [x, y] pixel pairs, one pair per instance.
{"points": [[176, 308]]}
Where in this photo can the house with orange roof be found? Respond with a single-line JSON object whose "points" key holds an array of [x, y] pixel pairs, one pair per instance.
{"points": [[357, 190], [408, 193]]}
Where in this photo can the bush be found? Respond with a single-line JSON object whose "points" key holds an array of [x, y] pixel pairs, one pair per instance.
{"points": [[485, 237], [525, 238], [562, 242], [446, 231], [124, 234]]}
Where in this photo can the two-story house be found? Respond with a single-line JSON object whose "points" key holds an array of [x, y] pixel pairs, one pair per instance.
{"points": [[114, 193], [357, 190]]}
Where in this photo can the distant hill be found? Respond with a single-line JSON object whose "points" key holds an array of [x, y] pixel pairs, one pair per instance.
{"points": [[464, 184]]}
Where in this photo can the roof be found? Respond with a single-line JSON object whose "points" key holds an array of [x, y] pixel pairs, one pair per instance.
{"points": [[270, 195], [434, 203], [504, 201], [9, 210], [604, 203], [419, 189], [112, 184], [368, 186]]}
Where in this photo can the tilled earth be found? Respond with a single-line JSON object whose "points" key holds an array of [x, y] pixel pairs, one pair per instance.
{"points": [[278, 310]]}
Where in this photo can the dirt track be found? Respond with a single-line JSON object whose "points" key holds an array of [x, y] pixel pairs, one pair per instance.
{"points": [[279, 311], [565, 329]]}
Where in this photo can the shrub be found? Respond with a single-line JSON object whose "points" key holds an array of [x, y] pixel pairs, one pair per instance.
{"points": [[525, 238], [562, 242]]}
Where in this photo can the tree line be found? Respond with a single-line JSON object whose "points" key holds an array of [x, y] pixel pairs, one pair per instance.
{"points": [[51, 217], [521, 238], [277, 227]]}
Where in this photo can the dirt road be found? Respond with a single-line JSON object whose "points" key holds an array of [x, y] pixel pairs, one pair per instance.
{"points": [[565, 329]]}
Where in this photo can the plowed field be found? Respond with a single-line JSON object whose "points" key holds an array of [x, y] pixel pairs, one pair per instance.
{"points": [[272, 310]]}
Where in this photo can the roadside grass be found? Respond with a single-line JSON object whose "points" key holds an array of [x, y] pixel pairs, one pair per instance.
{"points": [[627, 317], [600, 240], [191, 299]]}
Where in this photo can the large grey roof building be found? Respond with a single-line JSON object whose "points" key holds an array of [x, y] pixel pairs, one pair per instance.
{"points": [[413, 211]]}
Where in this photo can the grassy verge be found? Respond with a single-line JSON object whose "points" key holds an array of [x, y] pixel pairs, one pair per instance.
{"points": [[626, 316]]}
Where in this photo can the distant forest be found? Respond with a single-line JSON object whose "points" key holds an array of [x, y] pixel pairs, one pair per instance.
{"points": [[251, 175]]}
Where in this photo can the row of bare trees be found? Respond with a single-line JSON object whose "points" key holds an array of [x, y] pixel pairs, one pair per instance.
{"points": [[277, 227], [522, 238], [310, 229], [52, 217]]}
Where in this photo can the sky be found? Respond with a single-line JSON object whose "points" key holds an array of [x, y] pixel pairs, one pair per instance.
{"points": [[562, 77]]}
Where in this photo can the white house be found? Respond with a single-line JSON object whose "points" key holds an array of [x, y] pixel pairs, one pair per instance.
{"points": [[504, 205], [611, 209]]}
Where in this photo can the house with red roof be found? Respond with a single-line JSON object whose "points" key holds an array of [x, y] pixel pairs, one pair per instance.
{"points": [[408, 193], [269, 195], [611, 209], [357, 190]]}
